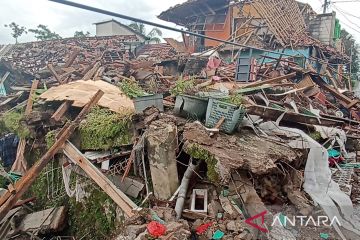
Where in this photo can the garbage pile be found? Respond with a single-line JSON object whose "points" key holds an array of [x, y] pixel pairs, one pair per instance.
{"points": [[103, 142]]}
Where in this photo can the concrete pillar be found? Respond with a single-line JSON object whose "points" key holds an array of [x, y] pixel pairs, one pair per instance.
{"points": [[161, 143]]}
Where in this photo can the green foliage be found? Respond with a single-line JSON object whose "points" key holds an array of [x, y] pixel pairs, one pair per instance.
{"points": [[182, 86], [81, 34], [50, 138], [42, 33], [132, 89], [17, 30], [3, 182], [95, 217], [236, 99], [153, 36], [36, 96], [195, 151], [97, 210], [316, 136], [13, 123], [103, 129]]}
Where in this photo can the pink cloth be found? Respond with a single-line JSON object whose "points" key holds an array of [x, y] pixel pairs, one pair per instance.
{"points": [[213, 63]]}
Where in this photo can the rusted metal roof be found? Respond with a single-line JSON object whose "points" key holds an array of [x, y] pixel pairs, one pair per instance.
{"points": [[185, 13]]}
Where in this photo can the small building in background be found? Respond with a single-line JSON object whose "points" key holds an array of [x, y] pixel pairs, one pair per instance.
{"points": [[114, 28]]}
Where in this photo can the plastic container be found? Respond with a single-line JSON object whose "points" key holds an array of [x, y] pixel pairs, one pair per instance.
{"points": [[190, 107], [141, 103], [232, 113]]}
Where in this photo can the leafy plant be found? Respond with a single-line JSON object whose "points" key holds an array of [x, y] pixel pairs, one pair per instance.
{"points": [[103, 129], [236, 99], [50, 138], [132, 89], [17, 30], [182, 86], [315, 135], [197, 152], [13, 123], [153, 36], [42, 33], [97, 211], [81, 34]]}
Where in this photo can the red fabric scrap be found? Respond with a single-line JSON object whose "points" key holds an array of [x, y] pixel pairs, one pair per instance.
{"points": [[156, 229], [333, 160], [203, 228]]}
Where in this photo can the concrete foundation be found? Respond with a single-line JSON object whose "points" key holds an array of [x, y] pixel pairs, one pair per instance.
{"points": [[161, 143]]}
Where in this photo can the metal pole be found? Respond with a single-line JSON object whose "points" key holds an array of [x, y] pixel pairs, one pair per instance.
{"points": [[351, 56], [326, 3]]}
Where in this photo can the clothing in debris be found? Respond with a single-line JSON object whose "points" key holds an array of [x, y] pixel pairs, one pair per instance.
{"points": [[8, 149]]}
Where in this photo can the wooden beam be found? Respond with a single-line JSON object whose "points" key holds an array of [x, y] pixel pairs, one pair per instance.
{"points": [[53, 72], [347, 102], [61, 111], [72, 58], [91, 72], [20, 164], [3, 79], [123, 201], [273, 80], [8, 200]]}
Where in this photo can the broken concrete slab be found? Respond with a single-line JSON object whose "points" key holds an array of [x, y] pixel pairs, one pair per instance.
{"points": [[248, 152], [49, 220], [129, 186], [161, 141]]}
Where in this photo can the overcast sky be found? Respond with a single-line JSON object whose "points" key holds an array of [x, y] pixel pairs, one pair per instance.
{"points": [[66, 20]]}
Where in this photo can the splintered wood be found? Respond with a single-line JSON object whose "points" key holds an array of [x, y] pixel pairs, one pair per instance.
{"points": [[20, 164], [9, 199], [118, 196]]}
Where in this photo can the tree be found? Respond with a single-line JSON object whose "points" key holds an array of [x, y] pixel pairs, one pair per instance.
{"points": [[17, 30], [153, 36], [81, 34], [352, 50], [42, 33]]}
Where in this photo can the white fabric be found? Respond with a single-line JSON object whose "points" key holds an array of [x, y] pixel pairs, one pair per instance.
{"points": [[78, 191], [318, 183]]}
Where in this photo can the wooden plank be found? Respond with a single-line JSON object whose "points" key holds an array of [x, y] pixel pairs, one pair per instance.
{"points": [[332, 79], [30, 101], [123, 201], [269, 81], [61, 111], [220, 122], [8, 200]]}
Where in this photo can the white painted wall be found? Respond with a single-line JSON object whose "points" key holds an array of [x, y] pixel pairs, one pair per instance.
{"points": [[113, 28], [104, 29]]}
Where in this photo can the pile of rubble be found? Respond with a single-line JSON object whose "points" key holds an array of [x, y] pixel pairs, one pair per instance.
{"points": [[101, 139]]}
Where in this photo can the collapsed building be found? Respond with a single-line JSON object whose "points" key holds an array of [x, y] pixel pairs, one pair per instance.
{"points": [[109, 138]]}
